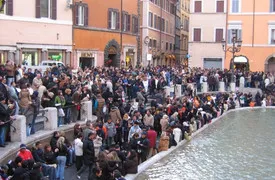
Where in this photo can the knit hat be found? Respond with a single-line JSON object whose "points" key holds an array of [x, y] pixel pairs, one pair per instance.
{"points": [[23, 146]]}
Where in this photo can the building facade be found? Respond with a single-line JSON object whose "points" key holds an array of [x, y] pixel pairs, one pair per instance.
{"points": [[184, 31], [255, 25], [32, 31], [158, 32], [105, 33], [206, 31]]}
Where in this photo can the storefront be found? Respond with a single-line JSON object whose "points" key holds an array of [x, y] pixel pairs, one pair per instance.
{"points": [[241, 63], [130, 56], [30, 57], [55, 55], [86, 59]]}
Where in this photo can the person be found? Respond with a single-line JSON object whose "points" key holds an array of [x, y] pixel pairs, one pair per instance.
{"points": [[60, 103], [88, 155], [61, 158], [143, 147], [35, 104], [25, 99], [78, 145], [152, 137], [134, 129], [4, 118], [76, 101], [148, 119], [111, 131], [24, 153], [131, 163], [77, 130], [49, 155]]}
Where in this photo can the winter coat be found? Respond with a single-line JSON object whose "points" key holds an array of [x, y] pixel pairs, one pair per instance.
{"points": [[88, 152], [97, 145], [131, 166], [111, 129], [115, 114], [4, 113], [164, 124], [152, 137], [148, 120], [25, 98]]}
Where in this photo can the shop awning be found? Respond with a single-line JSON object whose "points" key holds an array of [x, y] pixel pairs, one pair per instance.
{"points": [[240, 59]]}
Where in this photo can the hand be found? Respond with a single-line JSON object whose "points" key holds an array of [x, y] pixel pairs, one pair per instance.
{"points": [[56, 150], [12, 117], [1, 123]]}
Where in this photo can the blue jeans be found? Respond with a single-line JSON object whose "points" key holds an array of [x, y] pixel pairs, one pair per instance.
{"points": [[3, 130], [70, 156], [61, 163], [33, 123], [49, 171], [9, 81], [67, 119], [59, 122]]}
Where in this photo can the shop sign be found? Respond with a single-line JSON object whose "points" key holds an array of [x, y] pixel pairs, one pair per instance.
{"points": [[86, 54], [56, 57]]}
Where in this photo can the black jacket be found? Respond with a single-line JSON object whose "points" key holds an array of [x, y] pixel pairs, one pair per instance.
{"points": [[4, 113], [131, 166], [88, 152]]}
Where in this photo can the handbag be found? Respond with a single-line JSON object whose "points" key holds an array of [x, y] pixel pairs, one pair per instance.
{"points": [[78, 107], [61, 112]]}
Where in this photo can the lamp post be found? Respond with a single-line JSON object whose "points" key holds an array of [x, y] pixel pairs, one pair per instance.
{"points": [[236, 46]]}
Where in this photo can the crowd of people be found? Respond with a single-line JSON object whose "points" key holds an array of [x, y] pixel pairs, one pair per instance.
{"points": [[135, 118]]}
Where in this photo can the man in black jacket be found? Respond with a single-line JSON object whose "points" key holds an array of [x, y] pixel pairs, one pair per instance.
{"points": [[4, 118], [88, 155]]}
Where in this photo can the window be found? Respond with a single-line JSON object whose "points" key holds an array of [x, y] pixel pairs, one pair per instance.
{"points": [[166, 26], [7, 7], [167, 5], [235, 5], [157, 2], [159, 23], [126, 18], [150, 43], [81, 14], [155, 21], [135, 24], [154, 43], [162, 24], [197, 35], [220, 6], [162, 3], [46, 9], [219, 35], [177, 42], [230, 35], [197, 6], [272, 37], [166, 47], [172, 8], [150, 20], [171, 46], [113, 19], [272, 5]]}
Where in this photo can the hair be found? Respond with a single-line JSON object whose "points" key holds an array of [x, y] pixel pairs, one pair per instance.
{"points": [[46, 147], [80, 135], [37, 143], [88, 123], [113, 156], [60, 142], [102, 156]]}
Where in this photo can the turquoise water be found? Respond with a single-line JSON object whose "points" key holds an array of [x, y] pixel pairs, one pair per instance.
{"points": [[239, 146]]}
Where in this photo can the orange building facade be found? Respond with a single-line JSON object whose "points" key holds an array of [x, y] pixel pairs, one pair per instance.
{"points": [[254, 21], [105, 34]]}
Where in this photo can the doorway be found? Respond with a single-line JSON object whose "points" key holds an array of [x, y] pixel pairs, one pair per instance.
{"points": [[86, 62]]}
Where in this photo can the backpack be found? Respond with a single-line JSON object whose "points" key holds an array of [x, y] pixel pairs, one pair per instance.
{"points": [[95, 104]]}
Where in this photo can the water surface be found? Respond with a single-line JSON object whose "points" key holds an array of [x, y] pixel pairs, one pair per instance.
{"points": [[239, 146]]}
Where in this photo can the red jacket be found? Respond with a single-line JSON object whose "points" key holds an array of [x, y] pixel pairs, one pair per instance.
{"points": [[152, 137], [25, 155]]}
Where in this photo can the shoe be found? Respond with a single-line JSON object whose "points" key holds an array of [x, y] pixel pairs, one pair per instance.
{"points": [[78, 177], [2, 146]]}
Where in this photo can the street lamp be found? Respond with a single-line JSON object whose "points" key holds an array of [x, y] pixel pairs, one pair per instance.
{"points": [[236, 46]]}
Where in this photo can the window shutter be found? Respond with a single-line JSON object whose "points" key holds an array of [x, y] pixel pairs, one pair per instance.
{"points": [[197, 6], [76, 15], [54, 9], [37, 9], [86, 15], [229, 36], [109, 18], [239, 34], [197, 35], [123, 24], [9, 4], [117, 21], [128, 22], [220, 6], [219, 35]]}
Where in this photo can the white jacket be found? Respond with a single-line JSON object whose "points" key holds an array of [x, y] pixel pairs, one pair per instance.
{"points": [[78, 146]]}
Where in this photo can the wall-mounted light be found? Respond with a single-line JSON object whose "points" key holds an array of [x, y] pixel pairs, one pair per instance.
{"points": [[57, 36]]}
